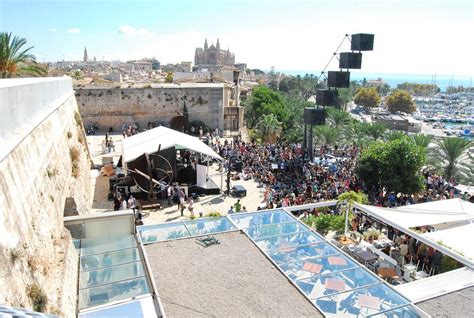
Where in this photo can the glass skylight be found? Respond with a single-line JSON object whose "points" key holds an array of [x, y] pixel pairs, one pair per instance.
{"points": [[330, 279]]}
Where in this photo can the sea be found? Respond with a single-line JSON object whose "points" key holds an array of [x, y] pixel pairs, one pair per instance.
{"points": [[443, 81]]}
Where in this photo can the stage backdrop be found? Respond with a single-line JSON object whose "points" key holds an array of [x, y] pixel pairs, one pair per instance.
{"points": [[201, 176]]}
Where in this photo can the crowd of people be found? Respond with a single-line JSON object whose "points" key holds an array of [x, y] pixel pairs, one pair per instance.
{"points": [[286, 175]]}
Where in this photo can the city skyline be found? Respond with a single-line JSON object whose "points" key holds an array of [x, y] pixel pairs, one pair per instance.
{"points": [[424, 37]]}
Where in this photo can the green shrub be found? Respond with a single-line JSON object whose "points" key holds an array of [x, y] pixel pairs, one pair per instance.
{"points": [[38, 297], [213, 214], [15, 255]]}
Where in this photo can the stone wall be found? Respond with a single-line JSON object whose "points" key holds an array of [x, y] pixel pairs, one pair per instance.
{"points": [[110, 107], [47, 165]]}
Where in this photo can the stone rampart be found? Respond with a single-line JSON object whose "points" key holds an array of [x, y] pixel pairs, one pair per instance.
{"points": [[110, 107], [46, 163]]}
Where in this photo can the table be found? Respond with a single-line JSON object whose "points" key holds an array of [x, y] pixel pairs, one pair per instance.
{"points": [[387, 272], [366, 256]]}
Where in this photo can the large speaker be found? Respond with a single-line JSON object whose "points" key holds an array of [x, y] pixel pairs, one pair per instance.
{"points": [[350, 60], [338, 79], [325, 97], [362, 42], [314, 116]]}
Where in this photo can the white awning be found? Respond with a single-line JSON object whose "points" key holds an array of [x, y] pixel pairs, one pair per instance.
{"points": [[456, 238], [430, 213], [437, 285], [149, 141]]}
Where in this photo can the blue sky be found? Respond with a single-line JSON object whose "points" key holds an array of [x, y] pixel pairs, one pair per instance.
{"points": [[411, 36]]}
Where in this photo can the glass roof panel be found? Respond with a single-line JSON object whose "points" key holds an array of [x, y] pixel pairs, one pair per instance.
{"points": [[286, 240], [110, 274], [403, 312], [275, 229], [209, 225], [322, 266], [112, 292], [245, 220], [92, 262], [361, 302], [106, 244], [162, 232], [332, 283], [302, 252]]}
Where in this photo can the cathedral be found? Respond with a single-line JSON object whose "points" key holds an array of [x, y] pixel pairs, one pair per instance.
{"points": [[212, 57]]}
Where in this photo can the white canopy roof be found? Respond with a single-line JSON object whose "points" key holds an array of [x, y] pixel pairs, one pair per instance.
{"points": [[430, 213], [456, 239], [149, 141]]}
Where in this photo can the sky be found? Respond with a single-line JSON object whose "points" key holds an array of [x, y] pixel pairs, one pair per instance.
{"points": [[411, 36]]}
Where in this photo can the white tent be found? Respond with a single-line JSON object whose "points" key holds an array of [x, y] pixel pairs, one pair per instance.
{"points": [[456, 212], [430, 213], [150, 140], [456, 238]]}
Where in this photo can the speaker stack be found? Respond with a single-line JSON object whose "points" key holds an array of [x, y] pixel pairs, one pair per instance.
{"points": [[335, 79]]}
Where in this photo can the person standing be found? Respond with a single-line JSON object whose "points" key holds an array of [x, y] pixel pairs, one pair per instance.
{"points": [[169, 193], [237, 206], [123, 203], [231, 210], [132, 203], [190, 206]]}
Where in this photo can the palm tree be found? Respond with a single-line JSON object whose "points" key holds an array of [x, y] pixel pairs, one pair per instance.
{"points": [[422, 140], [375, 130], [327, 135], [16, 60], [269, 128], [391, 135], [337, 118], [453, 158]]}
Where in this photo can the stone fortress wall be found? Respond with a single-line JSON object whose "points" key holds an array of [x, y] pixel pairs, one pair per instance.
{"points": [[112, 106], [43, 160]]}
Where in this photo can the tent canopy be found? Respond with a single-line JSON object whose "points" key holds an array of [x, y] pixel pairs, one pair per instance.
{"points": [[150, 140], [456, 238], [430, 213]]}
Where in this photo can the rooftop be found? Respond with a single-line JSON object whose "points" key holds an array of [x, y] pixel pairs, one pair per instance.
{"points": [[230, 279]]}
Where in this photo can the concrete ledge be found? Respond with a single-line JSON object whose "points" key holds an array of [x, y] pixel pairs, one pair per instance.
{"points": [[25, 103]]}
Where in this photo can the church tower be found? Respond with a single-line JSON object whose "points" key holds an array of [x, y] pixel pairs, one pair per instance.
{"points": [[205, 44], [86, 58], [218, 46]]}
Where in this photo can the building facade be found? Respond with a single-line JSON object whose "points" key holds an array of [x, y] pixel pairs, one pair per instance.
{"points": [[212, 57]]}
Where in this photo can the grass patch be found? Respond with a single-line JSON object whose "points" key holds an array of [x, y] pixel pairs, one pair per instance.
{"points": [[38, 297], [77, 118], [74, 153], [15, 255], [52, 172]]}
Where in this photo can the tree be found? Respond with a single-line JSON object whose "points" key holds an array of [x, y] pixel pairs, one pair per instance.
{"points": [[269, 128], [265, 101], [327, 135], [394, 134], [375, 130], [452, 157], [367, 97], [422, 140], [400, 101], [394, 165], [337, 118], [77, 75], [169, 77], [15, 60]]}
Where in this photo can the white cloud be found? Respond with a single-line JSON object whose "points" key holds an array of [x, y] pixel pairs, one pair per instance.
{"points": [[73, 30], [130, 30], [52, 30]]}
